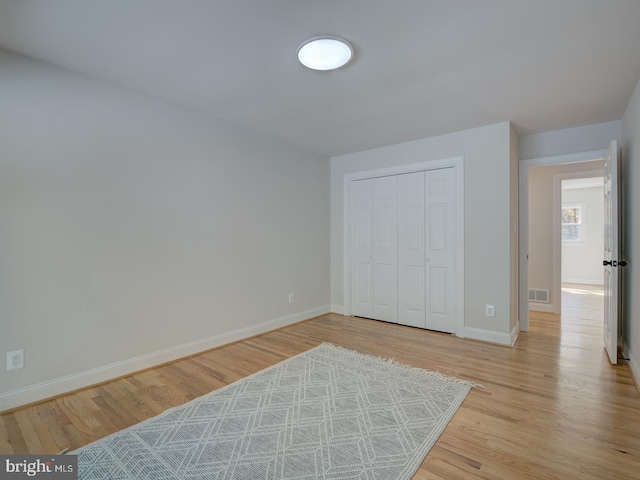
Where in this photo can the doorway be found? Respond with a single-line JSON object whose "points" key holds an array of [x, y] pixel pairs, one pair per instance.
{"points": [[582, 247], [563, 245], [540, 233]]}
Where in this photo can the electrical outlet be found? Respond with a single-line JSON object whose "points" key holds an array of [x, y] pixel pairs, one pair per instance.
{"points": [[291, 300], [489, 311], [15, 360]]}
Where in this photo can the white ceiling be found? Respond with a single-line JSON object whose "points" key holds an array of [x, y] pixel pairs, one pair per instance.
{"points": [[422, 67]]}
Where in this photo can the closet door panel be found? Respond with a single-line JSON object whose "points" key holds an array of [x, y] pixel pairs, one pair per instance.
{"points": [[385, 249], [362, 248], [441, 217], [438, 291], [411, 249]]}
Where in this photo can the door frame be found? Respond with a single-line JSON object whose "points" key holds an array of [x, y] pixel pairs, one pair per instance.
{"points": [[523, 237], [455, 162]]}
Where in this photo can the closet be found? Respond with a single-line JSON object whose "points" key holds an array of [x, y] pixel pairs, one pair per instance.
{"points": [[403, 235]]}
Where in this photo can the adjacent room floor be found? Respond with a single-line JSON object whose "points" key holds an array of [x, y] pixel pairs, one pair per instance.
{"points": [[581, 323]]}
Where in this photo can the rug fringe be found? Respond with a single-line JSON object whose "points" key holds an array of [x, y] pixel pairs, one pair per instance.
{"points": [[397, 364]]}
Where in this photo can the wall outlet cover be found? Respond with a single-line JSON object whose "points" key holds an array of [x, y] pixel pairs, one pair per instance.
{"points": [[15, 360]]}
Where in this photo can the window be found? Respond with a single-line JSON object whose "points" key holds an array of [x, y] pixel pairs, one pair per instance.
{"points": [[571, 224]]}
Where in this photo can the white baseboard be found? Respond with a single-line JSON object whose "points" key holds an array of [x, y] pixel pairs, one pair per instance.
{"points": [[634, 365], [339, 309], [542, 307], [491, 336], [514, 333], [58, 386]]}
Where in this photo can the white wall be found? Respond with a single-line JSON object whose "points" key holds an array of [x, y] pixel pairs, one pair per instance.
{"points": [[570, 140], [132, 232], [540, 229], [488, 212], [582, 261], [630, 175]]}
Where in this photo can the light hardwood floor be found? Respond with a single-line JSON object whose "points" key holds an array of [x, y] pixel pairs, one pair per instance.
{"points": [[551, 408]]}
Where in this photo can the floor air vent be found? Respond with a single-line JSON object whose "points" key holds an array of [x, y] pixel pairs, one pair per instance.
{"points": [[538, 295]]}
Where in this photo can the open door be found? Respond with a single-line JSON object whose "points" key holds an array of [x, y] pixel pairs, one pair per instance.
{"points": [[611, 254]]}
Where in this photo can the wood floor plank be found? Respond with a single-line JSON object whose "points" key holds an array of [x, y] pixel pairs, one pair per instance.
{"points": [[30, 433], [551, 407], [51, 421], [15, 438], [5, 443]]}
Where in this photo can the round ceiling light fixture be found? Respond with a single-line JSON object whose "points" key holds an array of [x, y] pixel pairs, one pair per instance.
{"points": [[325, 52]]}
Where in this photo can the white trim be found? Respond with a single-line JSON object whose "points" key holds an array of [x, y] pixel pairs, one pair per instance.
{"points": [[556, 244], [635, 369], [542, 307], [523, 247], [401, 169], [339, 309], [458, 164], [634, 366], [460, 187], [515, 331], [40, 391], [490, 336], [584, 281], [578, 157]]}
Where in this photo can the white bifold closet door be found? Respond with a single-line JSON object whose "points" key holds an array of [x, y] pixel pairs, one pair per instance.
{"points": [[374, 240], [404, 249], [427, 219]]}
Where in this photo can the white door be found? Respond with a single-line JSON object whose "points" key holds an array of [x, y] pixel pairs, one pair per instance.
{"points": [[427, 219], [611, 253], [411, 250], [385, 249], [362, 248], [374, 248], [404, 249], [441, 211]]}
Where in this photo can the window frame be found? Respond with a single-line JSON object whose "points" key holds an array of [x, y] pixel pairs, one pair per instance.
{"points": [[580, 223]]}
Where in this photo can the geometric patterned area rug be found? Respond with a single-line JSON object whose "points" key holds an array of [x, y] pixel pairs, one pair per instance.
{"points": [[328, 413]]}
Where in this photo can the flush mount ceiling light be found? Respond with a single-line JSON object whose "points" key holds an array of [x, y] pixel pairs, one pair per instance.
{"points": [[325, 52]]}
